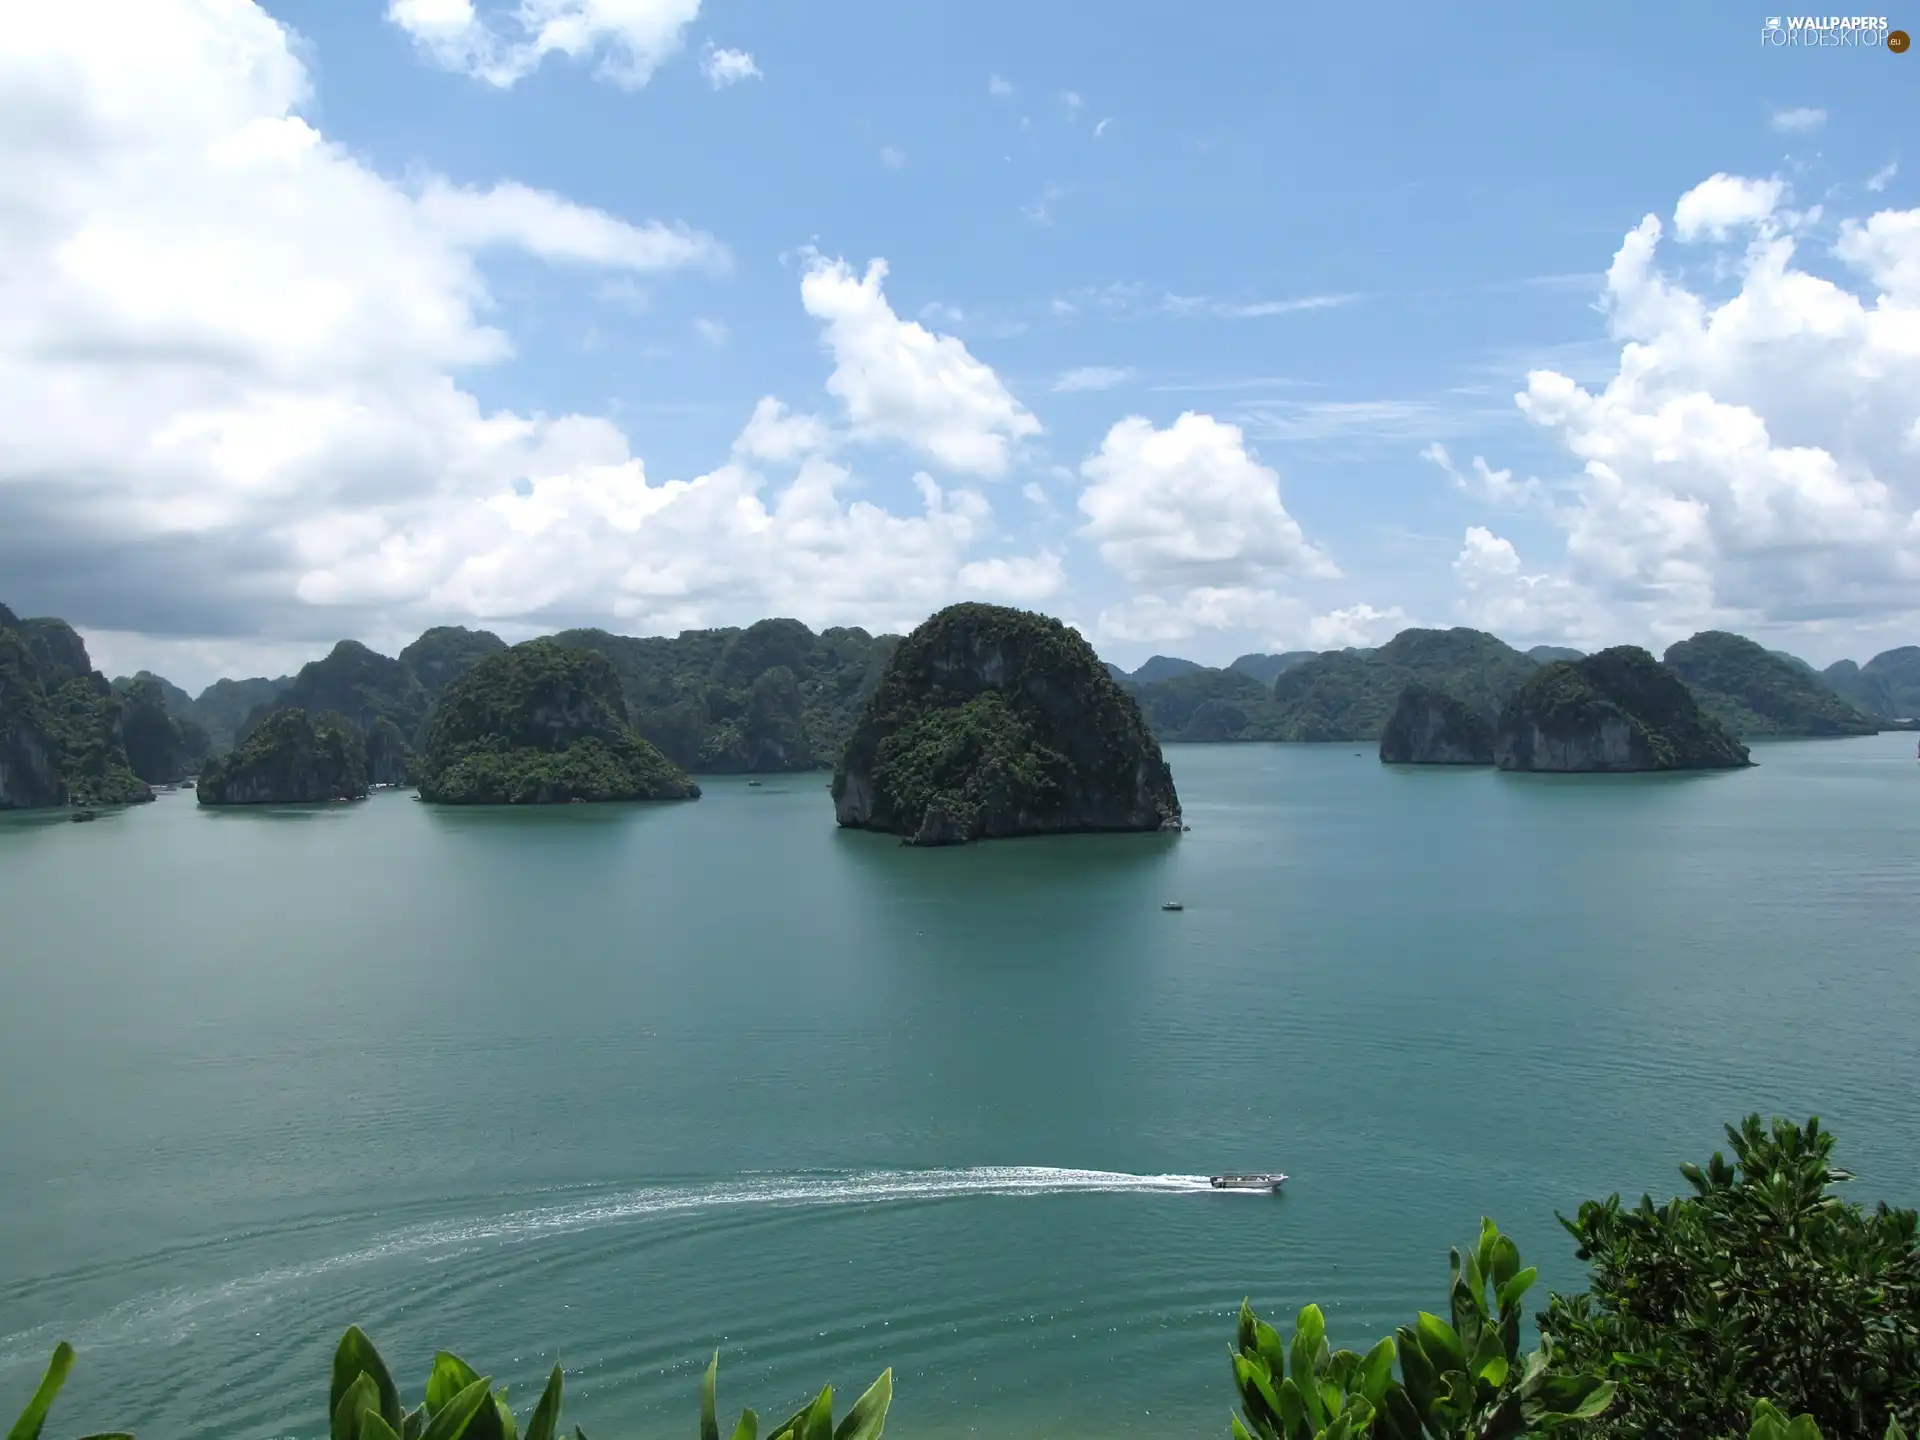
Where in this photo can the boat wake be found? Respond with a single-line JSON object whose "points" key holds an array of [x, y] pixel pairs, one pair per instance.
{"points": [[166, 1314]]}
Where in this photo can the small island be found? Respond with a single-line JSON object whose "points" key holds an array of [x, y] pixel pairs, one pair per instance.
{"points": [[289, 758], [540, 724], [991, 722], [1430, 727], [1617, 710]]}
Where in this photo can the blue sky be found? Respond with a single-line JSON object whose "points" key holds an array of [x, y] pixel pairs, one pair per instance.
{"points": [[1337, 243]]}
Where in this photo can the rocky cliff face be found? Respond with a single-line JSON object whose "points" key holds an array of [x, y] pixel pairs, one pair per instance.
{"points": [[1617, 710], [541, 724], [1431, 727], [289, 759], [389, 758], [61, 725], [990, 722]]}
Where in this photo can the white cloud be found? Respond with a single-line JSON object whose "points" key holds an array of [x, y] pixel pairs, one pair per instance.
{"points": [[229, 412], [893, 157], [724, 67], [900, 381], [630, 38], [1207, 306], [1878, 181], [1188, 516], [1018, 579], [1802, 121], [776, 434], [1496, 595], [1101, 127], [1073, 102], [1091, 377], [1751, 463], [1720, 203], [1356, 625], [998, 88], [1493, 487], [554, 229], [714, 332]]}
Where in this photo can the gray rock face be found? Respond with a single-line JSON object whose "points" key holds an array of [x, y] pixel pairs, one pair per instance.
{"points": [[1618, 710], [1431, 727]]}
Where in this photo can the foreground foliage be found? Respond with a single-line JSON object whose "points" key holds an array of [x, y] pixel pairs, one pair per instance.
{"points": [[1761, 1284], [458, 1403], [1460, 1379]]}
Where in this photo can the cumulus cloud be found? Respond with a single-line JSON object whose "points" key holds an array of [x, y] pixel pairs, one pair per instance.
{"points": [[1803, 120], [900, 381], [1356, 625], [1723, 203], [1490, 486], [630, 38], [998, 88], [1753, 461], [542, 224], [724, 67], [1496, 593], [229, 411], [1189, 517]]}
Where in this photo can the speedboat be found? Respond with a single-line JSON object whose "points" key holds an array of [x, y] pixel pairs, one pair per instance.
{"points": [[1247, 1182], [1171, 905]]}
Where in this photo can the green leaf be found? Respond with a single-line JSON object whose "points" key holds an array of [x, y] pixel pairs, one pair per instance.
{"points": [[450, 1376], [1266, 1341], [709, 1400], [415, 1422], [1376, 1373], [1506, 1262], [1894, 1432], [1239, 1430], [354, 1357], [748, 1428], [451, 1420], [1514, 1286], [373, 1426], [1422, 1381], [360, 1396], [544, 1423], [1440, 1342], [868, 1417], [27, 1427], [1309, 1341], [818, 1424], [509, 1427]]}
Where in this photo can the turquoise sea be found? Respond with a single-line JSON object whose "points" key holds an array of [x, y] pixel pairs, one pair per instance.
{"points": [[617, 1086]]}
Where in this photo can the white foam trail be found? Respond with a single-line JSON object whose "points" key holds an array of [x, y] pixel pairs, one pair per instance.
{"points": [[168, 1314]]}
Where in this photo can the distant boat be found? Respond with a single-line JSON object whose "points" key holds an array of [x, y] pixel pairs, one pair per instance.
{"points": [[753, 782], [80, 815], [1171, 905], [1247, 1182]]}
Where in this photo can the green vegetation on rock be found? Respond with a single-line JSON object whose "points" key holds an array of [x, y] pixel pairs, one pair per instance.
{"points": [[1207, 706], [1431, 727], [61, 738], [1163, 667], [1547, 654], [994, 722], [390, 759], [1268, 668], [1618, 709], [1756, 692], [223, 707], [351, 680], [1887, 685], [772, 697], [443, 654], [290, 759], [541, 723], [1348, 695], [162, 748]]}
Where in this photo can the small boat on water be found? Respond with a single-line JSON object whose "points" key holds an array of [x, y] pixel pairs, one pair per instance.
{"points": [[81, 816], [753, 782], [1171, 905], [1247, 1182]]}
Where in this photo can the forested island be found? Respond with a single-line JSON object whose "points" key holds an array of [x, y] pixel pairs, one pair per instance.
{"points": [[991, 722], [778, 697]]}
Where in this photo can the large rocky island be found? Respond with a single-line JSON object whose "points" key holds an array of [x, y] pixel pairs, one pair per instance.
{"points": [[1430, 727], [990, 722], [62, 738], [1616, 710], [541, 724], [290, 758]]}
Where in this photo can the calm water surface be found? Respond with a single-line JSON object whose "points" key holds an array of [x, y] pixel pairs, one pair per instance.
{"points": [[620, 1085]]}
